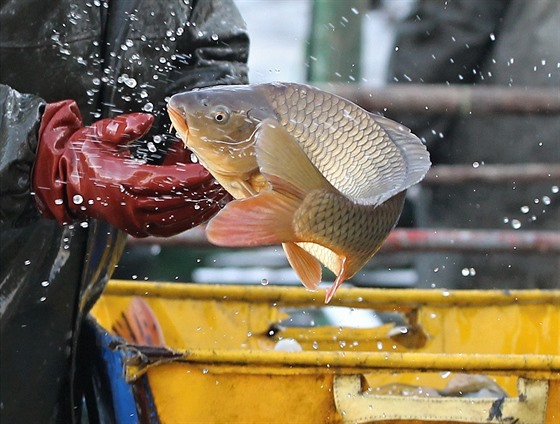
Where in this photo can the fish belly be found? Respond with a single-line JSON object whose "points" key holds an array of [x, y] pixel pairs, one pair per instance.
{"points": [[348, 229]]}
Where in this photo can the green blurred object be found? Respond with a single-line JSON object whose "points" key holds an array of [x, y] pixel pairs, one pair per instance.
{"points": [[335, 40]]}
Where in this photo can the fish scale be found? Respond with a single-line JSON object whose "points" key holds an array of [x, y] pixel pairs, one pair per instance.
{"points": [[329, 218], [321, 147]]}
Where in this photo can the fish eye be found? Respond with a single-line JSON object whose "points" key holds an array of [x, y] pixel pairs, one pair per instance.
{"points": [[221, 114]]}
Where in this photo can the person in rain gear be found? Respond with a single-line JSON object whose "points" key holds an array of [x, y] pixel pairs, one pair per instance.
{"points": [[502, 43], [74, 175]]}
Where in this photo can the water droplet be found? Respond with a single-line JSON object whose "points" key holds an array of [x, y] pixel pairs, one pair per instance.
{"points": [[129, 43], [445, 293], [342, 344], [379, 345], [471, 272], [516, 224], [131, 82], [555, 189], [45, 283], [27, 262], [194, 158], [42, 299], [196, 206], [205, 371], [546, 200], [152, 147], [148, 107], [78, 199], [475, 164], [492, 37], [355, 11], [264, 282], [58, 202], [84, 224], [315, 345], [214, 37], [524, 209]]}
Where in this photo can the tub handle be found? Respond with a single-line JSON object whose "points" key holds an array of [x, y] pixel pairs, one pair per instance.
{"points": [[356, 406]]}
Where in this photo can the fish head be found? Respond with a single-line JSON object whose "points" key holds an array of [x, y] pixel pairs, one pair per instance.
{"points": [[218, 124]]}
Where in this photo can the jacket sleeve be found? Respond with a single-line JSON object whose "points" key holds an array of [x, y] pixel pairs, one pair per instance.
{"points": [[214, 50], [20, 118]]}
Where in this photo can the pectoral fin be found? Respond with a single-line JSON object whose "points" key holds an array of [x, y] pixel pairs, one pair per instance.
{"points": [[306, 266], [284, 163], [260, 220]]}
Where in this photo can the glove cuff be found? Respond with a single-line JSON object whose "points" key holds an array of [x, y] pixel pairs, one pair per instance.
{"points": [[59, 121]]}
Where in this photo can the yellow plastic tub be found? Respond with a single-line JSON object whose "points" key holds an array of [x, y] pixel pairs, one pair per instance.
{"points": [[219, 363]]}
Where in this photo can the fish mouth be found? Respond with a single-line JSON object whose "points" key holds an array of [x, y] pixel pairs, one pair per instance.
{"points": [[178, 122]]}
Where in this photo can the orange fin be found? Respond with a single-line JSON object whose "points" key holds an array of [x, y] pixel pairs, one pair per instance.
{"points": [[339, 280], [259, 220], [139, 325], [306, 266]]}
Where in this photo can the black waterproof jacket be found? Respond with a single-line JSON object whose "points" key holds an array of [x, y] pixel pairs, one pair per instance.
{"points": [[111, 57]]}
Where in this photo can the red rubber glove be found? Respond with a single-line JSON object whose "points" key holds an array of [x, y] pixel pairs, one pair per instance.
{"points": [[89, 172]]}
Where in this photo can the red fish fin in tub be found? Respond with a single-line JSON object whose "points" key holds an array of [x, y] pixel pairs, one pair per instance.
{"points": [[260, 220], [305, 265], [139, 325]]}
